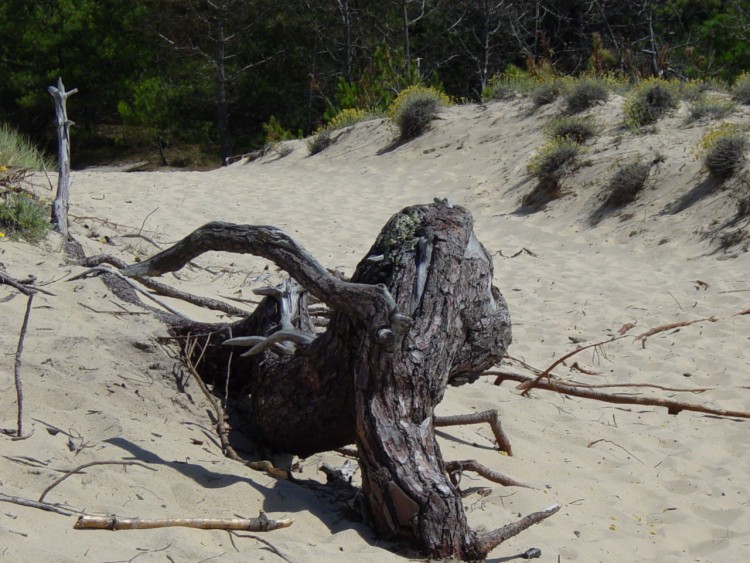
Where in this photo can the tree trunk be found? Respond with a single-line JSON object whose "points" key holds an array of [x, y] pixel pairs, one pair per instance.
{"points": [[419, 313]]}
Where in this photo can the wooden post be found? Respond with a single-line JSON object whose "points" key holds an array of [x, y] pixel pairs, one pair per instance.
{"points": [[60, 206]]}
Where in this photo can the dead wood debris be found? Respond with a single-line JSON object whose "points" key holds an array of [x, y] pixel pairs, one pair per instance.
{"points": [[260, 524]]}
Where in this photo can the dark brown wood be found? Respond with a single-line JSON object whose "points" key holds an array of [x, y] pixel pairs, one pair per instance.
{"points": [[420, 313]]}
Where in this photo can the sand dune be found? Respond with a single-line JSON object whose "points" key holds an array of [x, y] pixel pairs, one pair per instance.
{"points": [[636, 484]]}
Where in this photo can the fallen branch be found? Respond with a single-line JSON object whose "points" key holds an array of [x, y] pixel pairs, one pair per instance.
{"points": [[36, 504], [671, 326], [490, 417], [454, 468], [260, 524], [165, 290], [26, 289], [17, 370], [673, 407], [490, 540], [84, 466]]}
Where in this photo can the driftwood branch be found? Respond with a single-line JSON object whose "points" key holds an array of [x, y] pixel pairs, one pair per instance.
{"points": [[491, 540], [165, 290], [260, 524], [275, 245], [23, 287], [36, 504], [60, 205], [673, 407], [455, 468], [489, 417], [17, 369]]}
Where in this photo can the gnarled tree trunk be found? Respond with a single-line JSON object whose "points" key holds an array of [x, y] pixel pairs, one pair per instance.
{"points": [[419, 313]]}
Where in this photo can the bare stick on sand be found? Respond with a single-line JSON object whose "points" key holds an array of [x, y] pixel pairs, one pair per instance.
{"points": [[260, 524]]}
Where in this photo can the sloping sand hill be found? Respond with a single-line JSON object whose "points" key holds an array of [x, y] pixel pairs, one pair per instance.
{"points": [[635, 483]]}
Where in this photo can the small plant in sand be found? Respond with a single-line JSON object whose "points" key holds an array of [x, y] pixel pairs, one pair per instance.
{"points": [[627, 182], [348, 117], [546, 92], [741, 89], [573, 128], [554, 158], [506, 85], [722, 150], [22, 216], [17, 151], [414, 109], [649, 102], [709, 107], [319, 142], [585, 94]]}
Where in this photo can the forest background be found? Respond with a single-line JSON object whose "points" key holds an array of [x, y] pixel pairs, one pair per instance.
{"points": [[217, 78]]}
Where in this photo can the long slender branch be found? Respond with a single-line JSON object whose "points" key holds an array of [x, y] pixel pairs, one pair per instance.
{"points": [[673, 407], [35, 504], [490, 540], [17, 369], [84, 466]]}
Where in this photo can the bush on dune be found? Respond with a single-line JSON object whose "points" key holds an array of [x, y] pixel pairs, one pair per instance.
{"points": [[414, 109]]}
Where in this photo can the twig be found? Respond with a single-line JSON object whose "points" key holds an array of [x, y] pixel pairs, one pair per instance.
{"points": [[98, 270], [673, 407], [36, 504], [490, 417], [260, 524], [531, 383], [670, 326], [84, 466], [453, 467], [164, 289], [614, 444], [268, 544], [26, 289], [17, 371]]}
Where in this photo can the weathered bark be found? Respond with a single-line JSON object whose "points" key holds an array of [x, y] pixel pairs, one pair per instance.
{"points": [[60, 205], [419, 313]]}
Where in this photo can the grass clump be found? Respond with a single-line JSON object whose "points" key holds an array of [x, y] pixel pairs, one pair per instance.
{"points": [[649, 102], [17, 151], [741, 89], [348, 117], [573, 128], [414, 109], [723, 150], [706, 107], [585, 94], [545, 93], [319, 142], [508, 84], [554, 158], [626, 183], [24, 217]]}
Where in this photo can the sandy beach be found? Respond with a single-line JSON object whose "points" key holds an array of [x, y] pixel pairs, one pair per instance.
{"points": [[635, 483]]}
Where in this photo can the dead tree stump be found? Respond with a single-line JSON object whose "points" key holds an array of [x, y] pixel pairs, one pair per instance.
{"points": [[420, 313]]}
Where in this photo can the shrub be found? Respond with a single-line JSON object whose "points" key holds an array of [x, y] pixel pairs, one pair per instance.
{"points": [[585, 94], [414, 109], [507, 84], [319, 142], [627, 183], [22, 216], [17, 151], [709, 108], [723, 150], [649, 102], [573, 128], [545, 93], [347, 118], [553, 158], [741, 89]]}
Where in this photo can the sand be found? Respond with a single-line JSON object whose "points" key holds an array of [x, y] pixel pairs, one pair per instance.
{"points": [[635, 483]]}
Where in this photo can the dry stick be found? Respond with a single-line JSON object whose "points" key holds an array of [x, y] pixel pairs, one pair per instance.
{"points": [[19, 351], [260, 524], [670, 326], [26, 289], [490, 540], [165, 290], [267, 544], [529, 385], [452, 467], [84, 466], [673, 407], [490, 417], [36, 504]]}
